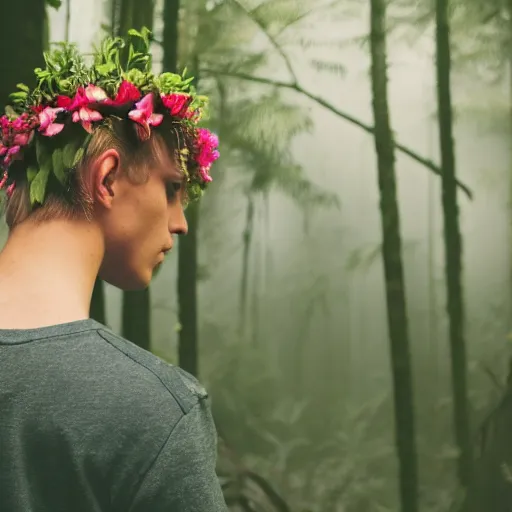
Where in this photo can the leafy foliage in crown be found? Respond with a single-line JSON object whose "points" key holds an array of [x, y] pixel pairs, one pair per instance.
{"points": [[46, 130]]}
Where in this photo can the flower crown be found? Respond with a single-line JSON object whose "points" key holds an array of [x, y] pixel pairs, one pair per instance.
{"points": [[40, 134]]}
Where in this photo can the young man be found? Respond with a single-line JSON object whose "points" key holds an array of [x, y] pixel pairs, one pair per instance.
{"points": [[97, 163]]}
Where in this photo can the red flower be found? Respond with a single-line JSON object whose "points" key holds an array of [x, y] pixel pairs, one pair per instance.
{"points": [[64, 101], [126, 93], [177, 104]]}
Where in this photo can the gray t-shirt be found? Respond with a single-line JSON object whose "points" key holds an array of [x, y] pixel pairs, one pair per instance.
{"points": [[89, 422]]}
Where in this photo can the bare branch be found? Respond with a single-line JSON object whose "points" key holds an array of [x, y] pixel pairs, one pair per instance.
{"points": [[272, 40], [294, 86]]}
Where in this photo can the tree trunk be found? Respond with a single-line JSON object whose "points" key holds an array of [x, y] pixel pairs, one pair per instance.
{"points": [[393, 268], [136, 308], [23, 40], [244, 281], [491, 487], [187, 247], [171, 25], [509, 10], [136, 321], [68, 20], [187, 294], [115, 16], [126, 17], [453, 245]]}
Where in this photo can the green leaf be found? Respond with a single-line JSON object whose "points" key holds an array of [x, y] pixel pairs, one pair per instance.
{"points": [[78, 156], [54, 3], [31, 173], [10, 112], [106, 69], [18, 95], [328, 66], [69, 152], [65, 85], [42, 154], [23, 87], [135, 33], [58, 165], [38, 185]]}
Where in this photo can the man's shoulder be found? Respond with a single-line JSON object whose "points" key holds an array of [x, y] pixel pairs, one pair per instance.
{"points": [[144, 372], [132, 405]]}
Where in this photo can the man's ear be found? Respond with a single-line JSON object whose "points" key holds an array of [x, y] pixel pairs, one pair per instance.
{"points": [[105, 174]]}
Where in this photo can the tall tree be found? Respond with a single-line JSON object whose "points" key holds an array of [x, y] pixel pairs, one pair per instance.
{"points": [[187, 294], [171, 27], [452, 243], [490, 487], [68, 20], [136, 305], [393, 267], [188, 355], [23, 33]]}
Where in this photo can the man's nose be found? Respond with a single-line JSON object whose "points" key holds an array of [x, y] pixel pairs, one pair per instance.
{"points": [[178, 224]]}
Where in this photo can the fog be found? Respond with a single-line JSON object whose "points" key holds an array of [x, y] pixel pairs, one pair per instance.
{"points": [[317, 327]]}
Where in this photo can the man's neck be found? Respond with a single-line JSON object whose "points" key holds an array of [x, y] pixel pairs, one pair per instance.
{"points": [[47, 273]]}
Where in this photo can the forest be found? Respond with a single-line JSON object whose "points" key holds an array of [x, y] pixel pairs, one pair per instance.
{"points": [[345, 289]]}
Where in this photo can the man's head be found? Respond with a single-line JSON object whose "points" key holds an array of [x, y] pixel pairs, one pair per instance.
{"points": [[132, 191], [123, 155], [139, 207]]}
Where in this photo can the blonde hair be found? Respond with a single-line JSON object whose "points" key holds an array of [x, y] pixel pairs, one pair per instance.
{"points": [[76, 202]]}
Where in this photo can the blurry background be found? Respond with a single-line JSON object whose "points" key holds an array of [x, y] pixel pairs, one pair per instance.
{"points": [[292, 333]]}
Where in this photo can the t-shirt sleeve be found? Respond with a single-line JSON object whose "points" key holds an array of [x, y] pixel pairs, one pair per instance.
{"points": [[182, 478]]}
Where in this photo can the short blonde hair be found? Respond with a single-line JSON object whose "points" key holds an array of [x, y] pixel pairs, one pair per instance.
{"points": [[76, 202]]}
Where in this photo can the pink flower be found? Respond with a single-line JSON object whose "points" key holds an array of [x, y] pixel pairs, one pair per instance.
{"points": [[86, 116], [84, 96], [10, 189], [46, 121], [126, 93], [177, 104], [207, 144], [4, 180], [19, 124], [203, 171], [3, 149], [144, 116], [22, 139], [80, 105], [12, 151], [5, 124], [95, 94]]}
